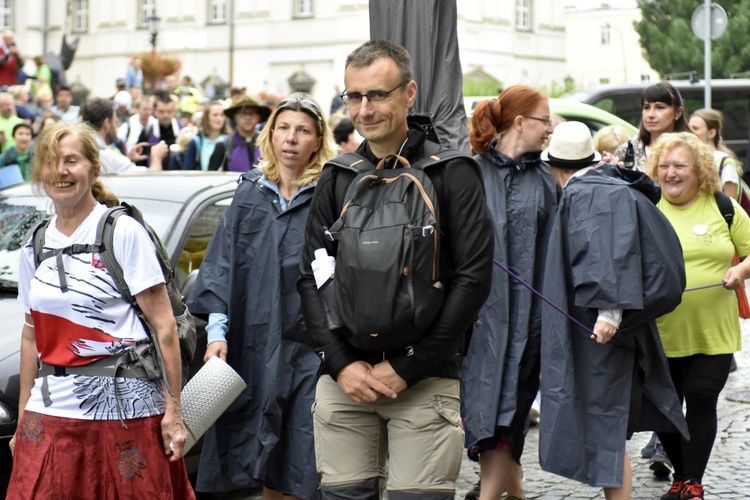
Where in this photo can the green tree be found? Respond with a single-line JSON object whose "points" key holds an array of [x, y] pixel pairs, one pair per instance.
{"points": [[670, 46]]}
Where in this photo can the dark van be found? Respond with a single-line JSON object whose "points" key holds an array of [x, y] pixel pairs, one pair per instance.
{"points": [[731, 97]]}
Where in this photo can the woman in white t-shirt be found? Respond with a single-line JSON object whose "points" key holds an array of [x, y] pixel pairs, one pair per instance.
{"points": [[77, 437], [707, 124]]}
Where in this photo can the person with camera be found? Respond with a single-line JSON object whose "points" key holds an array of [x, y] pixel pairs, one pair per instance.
{"points": [[11, 61], [100, 115]]}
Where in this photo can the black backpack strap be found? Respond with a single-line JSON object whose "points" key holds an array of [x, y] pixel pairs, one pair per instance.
{"points": [[350, 162], [726, 208], [439, 157]]}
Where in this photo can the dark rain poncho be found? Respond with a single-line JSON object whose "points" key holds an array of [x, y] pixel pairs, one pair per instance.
{"points": [[501, 370], [609, 248], [250, 273]]}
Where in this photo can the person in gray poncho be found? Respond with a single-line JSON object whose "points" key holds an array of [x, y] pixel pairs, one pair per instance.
{"points": [[614, 264], [247, 289], [501, 371]]}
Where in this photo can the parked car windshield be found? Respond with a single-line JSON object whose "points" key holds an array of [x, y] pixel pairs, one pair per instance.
{"points": [[20, 214]]}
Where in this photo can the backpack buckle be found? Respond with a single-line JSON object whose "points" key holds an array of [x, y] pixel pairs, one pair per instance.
{"points": [[427, 231]]}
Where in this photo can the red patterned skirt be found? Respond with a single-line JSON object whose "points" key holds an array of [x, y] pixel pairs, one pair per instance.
{"points": [[66, 458]]}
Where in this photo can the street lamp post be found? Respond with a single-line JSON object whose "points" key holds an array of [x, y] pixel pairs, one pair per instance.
{"points": [[153, 29]]}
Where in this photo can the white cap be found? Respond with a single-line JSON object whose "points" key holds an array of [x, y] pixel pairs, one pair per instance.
{"points": [[122, 98]]}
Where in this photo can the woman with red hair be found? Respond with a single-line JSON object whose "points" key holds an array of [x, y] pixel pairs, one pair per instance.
{"points": [[501, 372]]}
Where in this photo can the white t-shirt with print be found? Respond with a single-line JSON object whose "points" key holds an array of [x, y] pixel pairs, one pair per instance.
{"points": [[90, 320]]}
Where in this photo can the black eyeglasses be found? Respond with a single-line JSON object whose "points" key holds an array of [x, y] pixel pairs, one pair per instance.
{"points": [[307, 104], [355, 98], [546, 121]]}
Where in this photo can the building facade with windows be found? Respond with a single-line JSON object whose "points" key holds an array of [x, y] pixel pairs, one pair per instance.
{"points": [[261, 44], [603, 47]]}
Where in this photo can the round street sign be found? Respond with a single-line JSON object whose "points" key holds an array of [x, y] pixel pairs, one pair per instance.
{"points": [[718, 21]]}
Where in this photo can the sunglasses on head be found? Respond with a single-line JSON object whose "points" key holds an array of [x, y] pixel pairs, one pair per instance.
{"points": [[307, 104]]}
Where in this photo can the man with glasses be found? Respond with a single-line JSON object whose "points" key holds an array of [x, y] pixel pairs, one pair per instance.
{"points": [[403, 404], [238, 152]]}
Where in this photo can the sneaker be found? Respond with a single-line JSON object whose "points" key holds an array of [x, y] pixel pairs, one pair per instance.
{"points": [[691, 490], [674, 491], [473, 493], [660, 464], [534, 414], [648, 450]]}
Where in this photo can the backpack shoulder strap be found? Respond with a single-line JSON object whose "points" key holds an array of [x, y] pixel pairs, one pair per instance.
{"points": [[228, 148], [721, 163], [439, 157], [37, 240], [349, 162], [353, 162], [726, 208], [104, 240], [198, 140]]}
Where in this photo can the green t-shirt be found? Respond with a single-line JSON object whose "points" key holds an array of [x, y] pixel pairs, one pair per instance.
{"points": [[706, 321], [23, 164]]}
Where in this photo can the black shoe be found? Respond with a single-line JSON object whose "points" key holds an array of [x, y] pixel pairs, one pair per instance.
{"points": [[473, 493], [648, 450], [660, 464]]}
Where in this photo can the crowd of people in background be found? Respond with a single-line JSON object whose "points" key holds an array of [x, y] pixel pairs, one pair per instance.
{"points": [[199, 134]]}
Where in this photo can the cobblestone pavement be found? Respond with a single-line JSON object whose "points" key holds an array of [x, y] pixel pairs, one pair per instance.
{"points": [[727, 477], [728, 474]]}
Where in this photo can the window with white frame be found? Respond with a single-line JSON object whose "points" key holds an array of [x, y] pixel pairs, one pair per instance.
{"points": [[217, 11], [81, 16], [605, 34], [147, 9], [523, 14], [6, 14], [303, 8]]}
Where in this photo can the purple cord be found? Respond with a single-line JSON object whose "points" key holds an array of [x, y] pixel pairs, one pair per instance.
{"points": [[545, 299]]}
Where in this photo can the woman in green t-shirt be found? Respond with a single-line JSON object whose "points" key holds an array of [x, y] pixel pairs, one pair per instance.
{"points": [[703, 332]]}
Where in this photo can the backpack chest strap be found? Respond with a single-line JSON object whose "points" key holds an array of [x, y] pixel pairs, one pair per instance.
{"points": [[57, 253]]}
